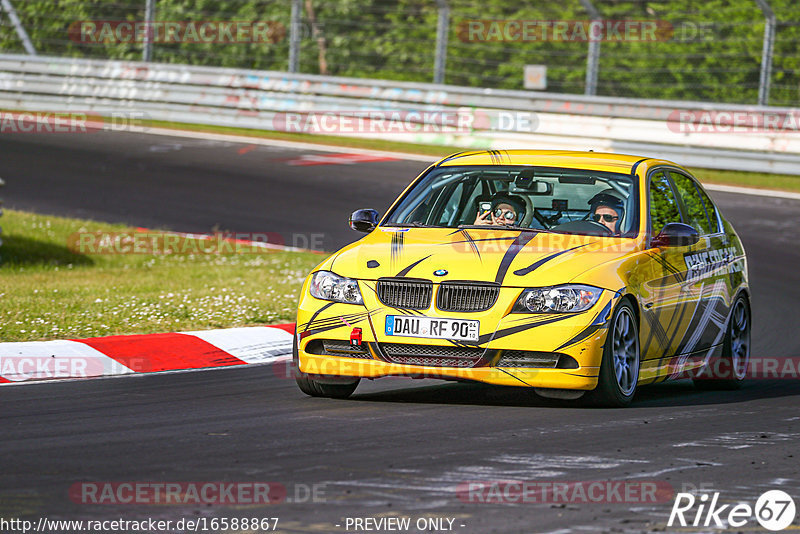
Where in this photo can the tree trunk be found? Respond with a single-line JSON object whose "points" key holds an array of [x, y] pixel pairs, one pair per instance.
{"points": [[316, 33]]}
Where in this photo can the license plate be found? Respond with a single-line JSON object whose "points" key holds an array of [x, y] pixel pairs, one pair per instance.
{"points": [[432, 327]]}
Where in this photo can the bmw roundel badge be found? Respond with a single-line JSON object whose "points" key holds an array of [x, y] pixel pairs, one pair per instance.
{"points": [[440, 272]]}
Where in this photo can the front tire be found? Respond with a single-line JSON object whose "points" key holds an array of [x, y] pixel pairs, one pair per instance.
{"points": [[332, 387], [728, 371], [619, 368]]}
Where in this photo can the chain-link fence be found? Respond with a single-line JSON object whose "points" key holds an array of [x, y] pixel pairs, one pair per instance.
{"points": [[737, 51]]}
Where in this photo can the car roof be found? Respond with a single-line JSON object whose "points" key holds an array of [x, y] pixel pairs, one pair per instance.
{"points": [[598, 161]]}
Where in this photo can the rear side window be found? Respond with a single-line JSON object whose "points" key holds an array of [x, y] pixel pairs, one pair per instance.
{"points": [[663, 206], [695, 211], [711, 210]]}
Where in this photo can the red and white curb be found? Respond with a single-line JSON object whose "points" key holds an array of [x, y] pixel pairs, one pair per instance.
{"points": [[149, 353]]}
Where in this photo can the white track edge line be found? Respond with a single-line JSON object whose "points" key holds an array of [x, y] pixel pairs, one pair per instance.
{"points": [[774, 193]]}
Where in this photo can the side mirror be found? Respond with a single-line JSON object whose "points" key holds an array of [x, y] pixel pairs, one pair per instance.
{"points": [[676, 235], [364, 220]]}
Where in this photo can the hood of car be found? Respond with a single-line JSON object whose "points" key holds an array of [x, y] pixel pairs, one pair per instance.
{"points": [[509, 258]]}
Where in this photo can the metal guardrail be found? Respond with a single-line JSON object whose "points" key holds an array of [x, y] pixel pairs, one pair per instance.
{"points": [[257, 99]]}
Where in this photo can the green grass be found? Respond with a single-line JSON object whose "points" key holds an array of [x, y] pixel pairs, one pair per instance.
{"points": [[782, 182], [759, 180], [48, 291]]}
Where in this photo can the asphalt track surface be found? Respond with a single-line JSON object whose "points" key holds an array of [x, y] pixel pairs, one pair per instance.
{"points": [[398, 447]]}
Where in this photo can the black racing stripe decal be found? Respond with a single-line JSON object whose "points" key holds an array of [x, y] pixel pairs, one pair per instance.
{"points": [[331, 327], [535, 265], [325, 307], [679, 276], [667, 354], [580, 336], [473, 240], [472, 245], [407, 269], [397, 245], [656, 330], [511, 375], [694, 324], [459, 343], [665, 338], [408, 311], [635, 165], [519, 243], [684, 306], [518, 328], [329, 321], [458, 155], [454, 156], [599, 322], [654, 321], [604, 315]]}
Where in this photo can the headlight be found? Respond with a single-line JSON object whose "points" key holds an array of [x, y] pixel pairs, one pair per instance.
{"points": [[570, 298], [326, 285]]}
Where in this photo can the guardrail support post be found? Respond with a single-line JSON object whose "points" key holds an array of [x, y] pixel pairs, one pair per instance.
{"points": [[294, 36], [18, 27], [766, 52], [149, 16], [442, 27], [593, 54]]}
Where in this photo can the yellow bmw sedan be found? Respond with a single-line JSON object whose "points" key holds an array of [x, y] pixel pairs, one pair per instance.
{"points": [[577, 274]]}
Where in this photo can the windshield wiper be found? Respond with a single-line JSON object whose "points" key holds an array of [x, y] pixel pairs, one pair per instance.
{"points": [[414, 224], [501, 227]]}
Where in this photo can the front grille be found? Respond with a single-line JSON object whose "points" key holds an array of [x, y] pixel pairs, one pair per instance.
{"points": [[527, 358], [432, 355], [410, 294], [466, 297]]}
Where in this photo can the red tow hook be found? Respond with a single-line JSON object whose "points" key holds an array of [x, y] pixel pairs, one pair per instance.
{"points": [[355, 337]]}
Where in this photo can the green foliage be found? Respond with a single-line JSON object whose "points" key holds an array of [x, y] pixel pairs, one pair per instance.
{"points": [[710, 50], [663, 206]]}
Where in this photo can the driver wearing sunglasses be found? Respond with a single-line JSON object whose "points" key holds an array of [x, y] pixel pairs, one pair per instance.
{"points": [[607, 209], [506, 210]]}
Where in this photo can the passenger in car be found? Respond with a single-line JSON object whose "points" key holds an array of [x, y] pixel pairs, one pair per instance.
{"points": [[506, 210]]}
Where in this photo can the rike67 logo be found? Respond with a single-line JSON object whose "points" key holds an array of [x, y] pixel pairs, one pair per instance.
{"points": [[774, 510]]}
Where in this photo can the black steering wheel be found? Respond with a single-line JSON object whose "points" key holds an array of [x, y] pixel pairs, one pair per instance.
{"points": [[584, 226]]}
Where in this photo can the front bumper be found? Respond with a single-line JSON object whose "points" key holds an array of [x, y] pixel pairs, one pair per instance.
{"points": [[581, 378], [580, 336]]}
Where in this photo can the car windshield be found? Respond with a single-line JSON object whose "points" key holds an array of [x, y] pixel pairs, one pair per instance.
{"points": [[541, 198]]}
